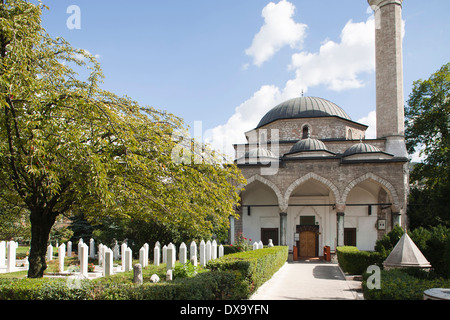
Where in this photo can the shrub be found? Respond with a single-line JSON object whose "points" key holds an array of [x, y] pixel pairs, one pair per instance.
{"points": [[353, 261], [403, 284], [252, 267]]}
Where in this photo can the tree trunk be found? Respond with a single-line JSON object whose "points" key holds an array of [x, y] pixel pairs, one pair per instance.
{"points": [[41, 224]]}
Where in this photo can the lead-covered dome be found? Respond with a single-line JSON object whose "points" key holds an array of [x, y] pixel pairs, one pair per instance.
{"points": [[308, 144], [361, 148], [260, 152], [304, 107]]}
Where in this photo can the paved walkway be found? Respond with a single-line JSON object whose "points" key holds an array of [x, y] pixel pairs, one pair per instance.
{"points": [[305, 280]]}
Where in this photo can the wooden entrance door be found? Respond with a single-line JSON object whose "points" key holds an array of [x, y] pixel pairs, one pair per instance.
{"points": [[307, 244]]}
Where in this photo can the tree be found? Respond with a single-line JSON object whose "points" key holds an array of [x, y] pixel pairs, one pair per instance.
{"points": [[67, 146], [428, 128]]}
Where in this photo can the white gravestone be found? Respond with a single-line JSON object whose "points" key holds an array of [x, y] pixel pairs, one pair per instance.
{"points": [[156, 256], [2, 254], [146, 247], [183, 253], [208, 251], [214, 250], [92, 248], [142, 256], [50, 252], [220, 251], [202, 253], [11, 257], [61, 254], [69, 248], [128, 260], [84, 260], [164, 254], [107, 262], [122, 252], [193, 251], [170, 257]]}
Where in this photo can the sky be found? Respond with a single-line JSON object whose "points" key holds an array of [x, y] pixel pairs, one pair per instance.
{"points": [[222, 64]]}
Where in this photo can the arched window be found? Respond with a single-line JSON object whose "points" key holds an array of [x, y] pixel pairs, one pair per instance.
{"points": [[305, 132], [350, 135]]}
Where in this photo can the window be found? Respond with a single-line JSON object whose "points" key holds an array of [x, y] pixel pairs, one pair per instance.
{"points": [[307, 221], [305, 132], [350, 237]]}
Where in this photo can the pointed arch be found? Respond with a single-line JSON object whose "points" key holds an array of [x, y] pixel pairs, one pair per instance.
{"points": [[267, 183], [316, 177], [386, 185]]}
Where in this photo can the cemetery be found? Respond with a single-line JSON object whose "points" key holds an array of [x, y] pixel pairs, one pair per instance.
{"points": [[165, 272]]}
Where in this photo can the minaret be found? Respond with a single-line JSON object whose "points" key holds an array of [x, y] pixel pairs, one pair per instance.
{"points": [[389, 75]]}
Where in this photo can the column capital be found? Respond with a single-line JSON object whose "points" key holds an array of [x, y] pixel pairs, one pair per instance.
{"points": [[340, 214], [340, 207], [377, 4], [283, 214]]}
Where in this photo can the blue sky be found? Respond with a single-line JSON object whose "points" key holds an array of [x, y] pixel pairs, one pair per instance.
{"points": [[226, 63]]}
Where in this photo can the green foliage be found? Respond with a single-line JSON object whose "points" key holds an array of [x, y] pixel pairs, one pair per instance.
{"points": [[232, 277], [403, 284], [68, 146], [427, 123], [389, 240], [353, 261], [253, 267]]}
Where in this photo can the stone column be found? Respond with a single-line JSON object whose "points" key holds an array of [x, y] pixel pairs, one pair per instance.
{"points": [[283, 228], [340, 228]]}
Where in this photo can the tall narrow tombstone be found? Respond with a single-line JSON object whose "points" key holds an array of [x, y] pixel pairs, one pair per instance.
{"points": [[183, 253], [142, 256], [260, 245], [214, 250], [84, 255], [170, 257], [116, 250], [101, 254], [107, 262], [69, 248], [164, 254], [208, 251], [92, 248], [50, 252], [202, 253], [11, 257], [193, 251], [2, 254], [122, 252], [146, 247], [61, 254], [128, 260], [80, 243], [156, 256], [220, 251]]}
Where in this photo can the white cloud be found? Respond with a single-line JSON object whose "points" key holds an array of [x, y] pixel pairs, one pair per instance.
{"points": [[245, 118], [279, 30], [337, 65], [371, 121]]}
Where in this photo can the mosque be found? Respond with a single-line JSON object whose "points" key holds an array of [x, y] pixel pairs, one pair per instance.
{"points": [[313, 179]]}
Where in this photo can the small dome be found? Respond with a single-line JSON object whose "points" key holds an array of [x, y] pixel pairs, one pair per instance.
{"points": [[260, 152], [361, 148], [308, 144], [303, 107]]}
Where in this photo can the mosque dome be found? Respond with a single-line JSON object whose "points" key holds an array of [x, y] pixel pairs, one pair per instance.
{"points": [[260, 152], [303, 107], [308, 144], [361, 148]]}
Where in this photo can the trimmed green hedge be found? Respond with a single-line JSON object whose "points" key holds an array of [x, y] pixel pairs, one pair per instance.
{"points": [[353, 261], [232, 277], [252, 267], [402, 284]]}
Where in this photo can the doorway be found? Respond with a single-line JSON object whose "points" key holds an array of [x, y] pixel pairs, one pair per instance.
{"points": [[308, 240]]}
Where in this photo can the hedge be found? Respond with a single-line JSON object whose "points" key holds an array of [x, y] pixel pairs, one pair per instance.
{"points": [[402, 284], [232, 277], [353, 261], [252, 267]]}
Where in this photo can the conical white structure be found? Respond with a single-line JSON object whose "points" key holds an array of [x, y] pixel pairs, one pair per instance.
{"points": [[406, 254]]}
